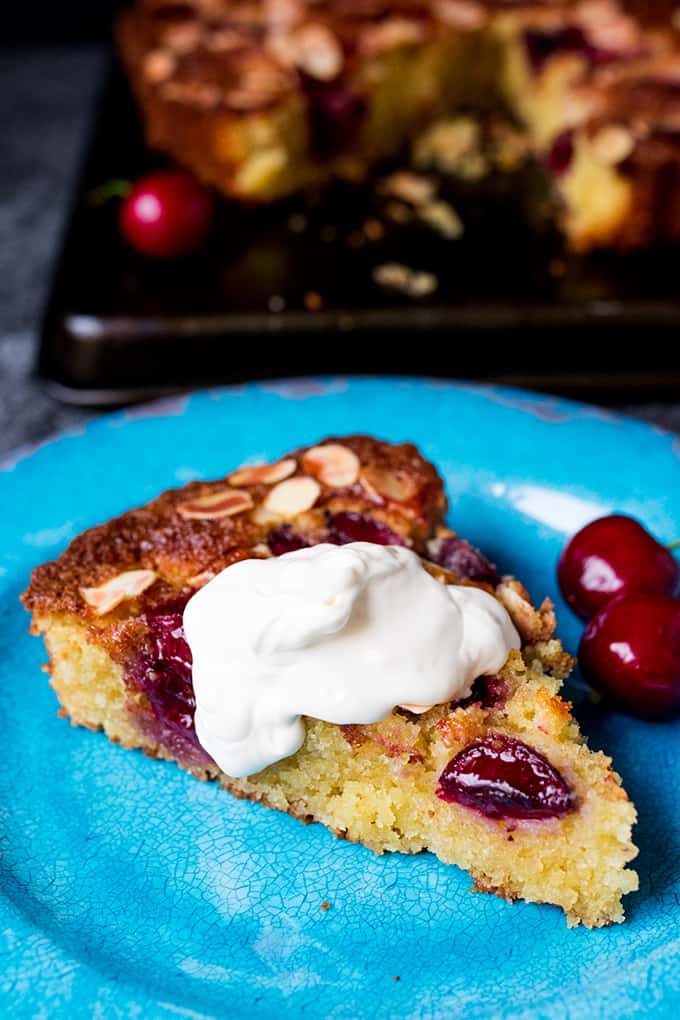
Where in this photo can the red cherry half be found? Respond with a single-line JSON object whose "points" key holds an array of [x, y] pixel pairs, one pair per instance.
{"points": [[631, 651], [609, 557], [166, 214]]}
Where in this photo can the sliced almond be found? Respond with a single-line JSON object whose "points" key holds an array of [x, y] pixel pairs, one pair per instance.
{"points": [[198, 580], [223, 503], [312, 48], [293, 496], [416, 709], [264, 517], [390, 34], [182, 37], [612, 144], [127, 585], [334, 464], [395, 486], [409, 187], [159, 65], [262, 550], [440, 573], [465, 14], [263, 474]]}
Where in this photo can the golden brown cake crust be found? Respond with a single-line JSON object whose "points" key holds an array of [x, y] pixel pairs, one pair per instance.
{"points": [[184, 551]]}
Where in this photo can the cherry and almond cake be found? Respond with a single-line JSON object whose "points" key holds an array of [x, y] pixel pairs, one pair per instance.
{"points": [[500, 783], [263, 98]]}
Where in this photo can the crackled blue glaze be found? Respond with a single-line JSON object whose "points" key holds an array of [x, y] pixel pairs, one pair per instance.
{"points": [[131, 890]]}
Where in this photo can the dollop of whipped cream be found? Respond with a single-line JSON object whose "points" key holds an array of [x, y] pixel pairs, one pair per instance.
{"points": [[339, 633]]}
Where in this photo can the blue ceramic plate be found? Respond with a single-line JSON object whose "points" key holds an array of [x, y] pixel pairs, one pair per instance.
{"points": [[130, 890]]}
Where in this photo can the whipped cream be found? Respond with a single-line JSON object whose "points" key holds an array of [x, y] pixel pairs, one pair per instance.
{"points": [[339, 633]]}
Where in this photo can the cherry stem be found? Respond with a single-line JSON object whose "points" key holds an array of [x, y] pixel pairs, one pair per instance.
{"points": [[672, 546], [115, 188]]}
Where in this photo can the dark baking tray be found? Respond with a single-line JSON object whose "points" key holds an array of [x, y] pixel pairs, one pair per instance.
{"points": [[510, 305]]}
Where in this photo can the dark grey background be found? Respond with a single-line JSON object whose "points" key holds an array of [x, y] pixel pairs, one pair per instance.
{"points": [[47, 101]]}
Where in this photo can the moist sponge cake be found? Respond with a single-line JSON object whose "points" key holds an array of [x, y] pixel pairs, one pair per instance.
{"points": [[557, 829], [263, 98]]}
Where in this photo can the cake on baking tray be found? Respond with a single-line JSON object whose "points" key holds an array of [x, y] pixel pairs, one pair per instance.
{"points": [[263, 98]]}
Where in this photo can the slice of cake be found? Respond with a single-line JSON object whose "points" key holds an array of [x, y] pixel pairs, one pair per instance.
{"points": [[499, 782], [263, 98]]}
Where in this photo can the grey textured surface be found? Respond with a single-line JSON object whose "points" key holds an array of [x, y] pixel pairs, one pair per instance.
{"points": [[47, 103]]}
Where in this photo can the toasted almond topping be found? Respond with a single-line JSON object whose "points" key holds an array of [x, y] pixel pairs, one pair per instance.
{"points": [[612, 144], [159, 65], [390, 34], [263, 474], [440, 573], [223, 503], [312, 48], [262, 516], [442, 217], [393, 485], [198, 580], [412, 282], [293, 496], [409, 187], [533, 624], [182, 37], [416, 709], [334, 464], [123, 586], [465, 14], [193, 93], [262, 550]]}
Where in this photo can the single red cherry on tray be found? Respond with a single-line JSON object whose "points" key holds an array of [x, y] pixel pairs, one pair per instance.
{"points": [[631, 651], [609, 557], [166, 214]]}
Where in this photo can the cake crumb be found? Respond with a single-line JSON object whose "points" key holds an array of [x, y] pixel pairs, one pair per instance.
{"points": [[374, 230], [443, 218], [313, 301], [415, 189], [397, 212], [452, 146], [413, 282], [325, 905], [510, 145], [297, 223]]}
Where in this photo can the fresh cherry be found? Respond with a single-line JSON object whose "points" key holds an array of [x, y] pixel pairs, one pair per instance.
{"points": [[166, 214], [609, 557], [502, 777], [631, 651]]}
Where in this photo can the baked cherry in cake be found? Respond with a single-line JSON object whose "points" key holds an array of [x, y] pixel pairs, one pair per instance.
{"points": [[458, 778], [502, 777]]}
